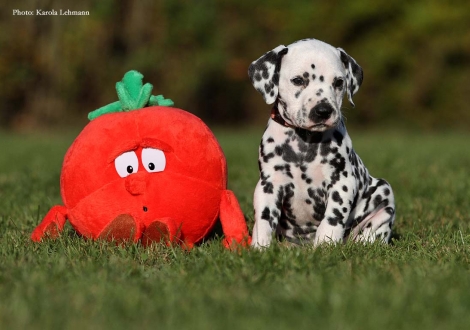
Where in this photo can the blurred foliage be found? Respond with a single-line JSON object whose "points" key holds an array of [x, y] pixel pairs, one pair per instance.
{"points": [[55, 69]]}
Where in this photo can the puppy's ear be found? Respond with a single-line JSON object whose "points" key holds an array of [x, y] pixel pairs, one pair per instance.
{"points": [[264, 73], [354, 74]]}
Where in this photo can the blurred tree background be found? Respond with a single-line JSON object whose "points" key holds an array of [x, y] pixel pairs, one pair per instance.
{"points": [[56, 69]]}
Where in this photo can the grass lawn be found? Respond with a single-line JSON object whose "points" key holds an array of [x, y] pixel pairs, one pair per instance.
{"points": [[420, 281]]}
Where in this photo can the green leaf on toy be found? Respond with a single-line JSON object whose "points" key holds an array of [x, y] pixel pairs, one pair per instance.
{"points": [[132, 95]]}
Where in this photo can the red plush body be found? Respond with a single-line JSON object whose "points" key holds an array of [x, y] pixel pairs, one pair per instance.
{"points": [[180, 201]]}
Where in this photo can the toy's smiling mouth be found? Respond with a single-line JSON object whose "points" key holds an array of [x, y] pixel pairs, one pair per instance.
{"points": [[145, 208]]}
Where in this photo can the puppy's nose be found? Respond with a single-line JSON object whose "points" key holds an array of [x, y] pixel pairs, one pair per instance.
{"points": [[321, 111]]}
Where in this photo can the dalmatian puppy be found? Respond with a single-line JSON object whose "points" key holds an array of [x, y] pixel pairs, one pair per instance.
{"points": [[313, 187]]}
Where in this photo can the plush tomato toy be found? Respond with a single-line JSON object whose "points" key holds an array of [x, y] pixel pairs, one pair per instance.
{"points": [[146, 174]]}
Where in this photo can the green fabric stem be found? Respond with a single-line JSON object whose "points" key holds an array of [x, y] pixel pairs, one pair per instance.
{"points": [[132, 95], [160, 100], [113, 107]]}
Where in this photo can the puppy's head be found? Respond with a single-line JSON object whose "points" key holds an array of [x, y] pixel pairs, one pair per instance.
{"points": [[308, 79]]}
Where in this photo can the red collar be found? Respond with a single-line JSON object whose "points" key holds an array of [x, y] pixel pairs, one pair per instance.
{"points": [[276, 116]]}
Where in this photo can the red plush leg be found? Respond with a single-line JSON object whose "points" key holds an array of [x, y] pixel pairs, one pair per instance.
{"points": [[160, 230], [52, 224], [121, 229], [233, 221]]}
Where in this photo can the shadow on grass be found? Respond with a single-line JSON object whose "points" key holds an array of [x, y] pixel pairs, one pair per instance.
{"points": [[395, 237]]}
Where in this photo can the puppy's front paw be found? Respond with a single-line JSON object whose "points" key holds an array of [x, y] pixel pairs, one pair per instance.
{"points": [[260, 242], [321, 240], [325, 239], [262, 234]]}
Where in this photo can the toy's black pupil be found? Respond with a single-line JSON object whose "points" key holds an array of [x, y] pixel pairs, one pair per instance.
{"points": [[151, 166], [130, 169]]}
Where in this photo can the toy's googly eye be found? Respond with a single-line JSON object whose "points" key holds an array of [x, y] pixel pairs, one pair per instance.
{"points": [[153, 159], [127, 163]]}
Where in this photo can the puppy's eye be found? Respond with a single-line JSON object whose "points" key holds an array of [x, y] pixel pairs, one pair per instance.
{"points": [[338, 83], [297, 81]]}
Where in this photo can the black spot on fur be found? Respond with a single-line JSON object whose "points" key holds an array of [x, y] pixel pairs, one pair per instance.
{"points": [[268, 188], [266, 214], [337, 198], [259, 68], [338, 163], [354, 202], [275, 213], [313, 66], [357, 72], [378, 200], [288, 154], [267, 157], [345, 59], [288, 196], [261, 152], [325, 148], [270, 140], [300, 232], [309, 137], [303, 146], [268, 87], [322, 79], [367, 194], [319, 207], [337, 219], [338, 137], [285, 169]]}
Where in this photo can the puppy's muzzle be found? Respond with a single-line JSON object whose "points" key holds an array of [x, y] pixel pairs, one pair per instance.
{"points": [[321, 111]]}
